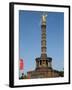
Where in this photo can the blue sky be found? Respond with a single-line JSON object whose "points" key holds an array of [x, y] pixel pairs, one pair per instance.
{"points": [[30, 38]]}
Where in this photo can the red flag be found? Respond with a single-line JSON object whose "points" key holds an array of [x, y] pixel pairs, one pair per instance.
{"points": [[21, 64]]}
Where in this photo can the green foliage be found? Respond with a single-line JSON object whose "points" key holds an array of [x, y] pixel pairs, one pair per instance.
{"points": [[61, 73], [25, 77]]}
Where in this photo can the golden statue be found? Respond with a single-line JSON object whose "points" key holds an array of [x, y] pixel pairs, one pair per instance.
{"points": [[44, 18]]}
